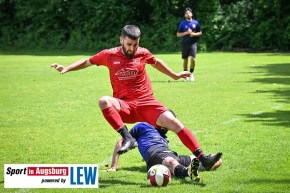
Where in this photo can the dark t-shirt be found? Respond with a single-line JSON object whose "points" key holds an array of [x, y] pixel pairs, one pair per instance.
{"points": [[184, 26]]}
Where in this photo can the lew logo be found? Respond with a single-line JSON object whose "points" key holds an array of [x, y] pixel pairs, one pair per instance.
{"points": [[126, 73], [83, 175]]}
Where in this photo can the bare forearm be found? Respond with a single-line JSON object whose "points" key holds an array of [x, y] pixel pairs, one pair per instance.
{"points": [[75, 66], [115, 157], [80, 64], [196, 34], [181, 34], [162, 67]]}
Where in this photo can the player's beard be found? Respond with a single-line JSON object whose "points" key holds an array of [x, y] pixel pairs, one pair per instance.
{"points": [[129, 55]]}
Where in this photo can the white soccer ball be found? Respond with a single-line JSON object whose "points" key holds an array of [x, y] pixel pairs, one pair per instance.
{"points": [[158, 175]]}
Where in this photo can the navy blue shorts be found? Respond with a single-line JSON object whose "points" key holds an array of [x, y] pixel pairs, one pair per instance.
{"points": [[158, 156], [187, 51]]}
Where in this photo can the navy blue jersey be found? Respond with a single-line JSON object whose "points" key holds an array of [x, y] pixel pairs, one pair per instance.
{"points": [[148, 139], [184, 26]]}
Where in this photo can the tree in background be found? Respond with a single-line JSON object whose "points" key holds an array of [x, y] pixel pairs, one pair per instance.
{"points": [[254, 24], [96, 24]]}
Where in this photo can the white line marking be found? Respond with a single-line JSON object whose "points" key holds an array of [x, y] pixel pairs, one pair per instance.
{"points": [[231, 120], [257, 113], [278, 106]]}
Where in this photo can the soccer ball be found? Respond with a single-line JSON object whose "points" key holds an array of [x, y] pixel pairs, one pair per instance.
{"points": [[158, 175]]}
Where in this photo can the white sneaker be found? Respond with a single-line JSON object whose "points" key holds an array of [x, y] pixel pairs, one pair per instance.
{"points": [[186, 79], [191, 78]]}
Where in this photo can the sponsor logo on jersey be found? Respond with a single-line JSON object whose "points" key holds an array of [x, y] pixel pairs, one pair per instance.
{"points": [[126, 73]]}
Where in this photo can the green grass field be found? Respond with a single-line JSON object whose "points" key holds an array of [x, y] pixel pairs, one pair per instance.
{"points": [[239, 105]]}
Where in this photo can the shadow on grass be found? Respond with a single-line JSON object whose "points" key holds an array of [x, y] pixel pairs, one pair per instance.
{"points": [[276, 74], [141, 169], [185, 181], [119, 181], [268, 181], [113, 182], [277, 118]]}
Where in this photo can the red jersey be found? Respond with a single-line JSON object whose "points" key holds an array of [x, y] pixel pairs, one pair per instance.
{"points": [[128, 76]]}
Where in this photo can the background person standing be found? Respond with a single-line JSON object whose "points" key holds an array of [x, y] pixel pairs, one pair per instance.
{"points": [[189, 31]]}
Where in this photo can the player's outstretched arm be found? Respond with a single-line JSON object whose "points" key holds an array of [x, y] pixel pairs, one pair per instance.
{"points": [[162, 67], [83, 63], [115, 157]]}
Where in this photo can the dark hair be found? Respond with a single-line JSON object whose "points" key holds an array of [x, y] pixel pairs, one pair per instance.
{"points": [[187, 9], [131, 31]]}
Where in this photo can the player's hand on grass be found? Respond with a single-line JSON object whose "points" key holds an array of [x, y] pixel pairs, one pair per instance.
{"points": [[59, 68], [110, 169]]}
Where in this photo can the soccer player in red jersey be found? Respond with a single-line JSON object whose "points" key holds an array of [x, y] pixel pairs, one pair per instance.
{"points": [[133, 99]]}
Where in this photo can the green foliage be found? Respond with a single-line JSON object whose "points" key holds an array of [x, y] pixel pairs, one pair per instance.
{"points": [[231, 26], [96, 24], [258, 25]]}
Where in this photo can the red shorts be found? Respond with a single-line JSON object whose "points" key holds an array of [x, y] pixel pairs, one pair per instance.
{"points": [[141, 110]]}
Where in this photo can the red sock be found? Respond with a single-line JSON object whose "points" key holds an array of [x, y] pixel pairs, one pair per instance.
{"points": [[188, 139], [113, 118]]}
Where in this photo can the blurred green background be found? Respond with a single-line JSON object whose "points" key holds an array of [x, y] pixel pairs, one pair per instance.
{"points": [[90, 25]]}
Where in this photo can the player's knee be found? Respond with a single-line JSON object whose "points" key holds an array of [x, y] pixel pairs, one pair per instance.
{"points": [[192, 58], [173, 162], [104, 102], [170, 162]]}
